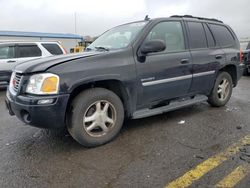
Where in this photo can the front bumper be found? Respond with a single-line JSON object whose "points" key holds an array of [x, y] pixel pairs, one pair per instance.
{"points": [[27, 109], [5, 76]]}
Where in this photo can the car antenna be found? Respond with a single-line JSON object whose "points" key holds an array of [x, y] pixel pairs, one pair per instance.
{"points": [[146, 18]]}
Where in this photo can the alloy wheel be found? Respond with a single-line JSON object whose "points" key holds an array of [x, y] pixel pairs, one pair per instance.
{"points": [[223, 89], [99, 118]]}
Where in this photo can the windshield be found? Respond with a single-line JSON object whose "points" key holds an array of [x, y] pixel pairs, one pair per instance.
{"points": [[118, 37]]}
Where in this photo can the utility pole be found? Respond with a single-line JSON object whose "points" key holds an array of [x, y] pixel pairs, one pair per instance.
{"points": [[75, 27], [75, 23]]}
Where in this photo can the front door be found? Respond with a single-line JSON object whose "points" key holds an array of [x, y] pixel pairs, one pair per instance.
{"points": [[165, 75]]}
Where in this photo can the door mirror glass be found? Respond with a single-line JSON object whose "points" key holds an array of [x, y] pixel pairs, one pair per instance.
{"points": [[153, 46]]}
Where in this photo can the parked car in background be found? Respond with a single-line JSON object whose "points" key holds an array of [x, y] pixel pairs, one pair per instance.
{"points": [[14, 53], [246, 57], [135, 70]]}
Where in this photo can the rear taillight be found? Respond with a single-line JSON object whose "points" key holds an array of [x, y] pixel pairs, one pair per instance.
{"points": [[65, 51], [241, 56]]}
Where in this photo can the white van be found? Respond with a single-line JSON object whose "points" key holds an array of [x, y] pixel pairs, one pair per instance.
{"points": [[13, 53]]}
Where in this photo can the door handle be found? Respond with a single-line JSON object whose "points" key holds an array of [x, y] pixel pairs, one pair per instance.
{"points": [[184, 61], [11, 61], [218, 57]]}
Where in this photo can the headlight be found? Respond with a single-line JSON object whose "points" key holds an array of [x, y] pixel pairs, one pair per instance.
{"points": [[42, 84]]}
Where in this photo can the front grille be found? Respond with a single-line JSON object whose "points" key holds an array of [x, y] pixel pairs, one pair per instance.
{"points": [[16, 81], [4, 73]]}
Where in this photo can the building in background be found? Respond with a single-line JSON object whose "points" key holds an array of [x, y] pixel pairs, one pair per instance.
{"points": [[67, 40]]}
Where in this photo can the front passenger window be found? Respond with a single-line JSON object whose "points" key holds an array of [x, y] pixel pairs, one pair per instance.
{"points": [[171, 33]]}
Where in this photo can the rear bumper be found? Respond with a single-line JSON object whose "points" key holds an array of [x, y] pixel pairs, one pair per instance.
{"points": [[240, 71], [247, 66], [27, 109]]}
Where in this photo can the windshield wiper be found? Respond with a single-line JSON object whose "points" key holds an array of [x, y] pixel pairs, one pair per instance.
{"points": [[88, 49], [101, 48]]}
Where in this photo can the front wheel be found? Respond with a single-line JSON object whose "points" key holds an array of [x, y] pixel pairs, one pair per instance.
{"points": [[96, 117], [222, 90]]}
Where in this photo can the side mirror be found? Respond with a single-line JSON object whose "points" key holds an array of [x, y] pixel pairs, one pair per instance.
{"points": [[153, 46], [149, 47]]}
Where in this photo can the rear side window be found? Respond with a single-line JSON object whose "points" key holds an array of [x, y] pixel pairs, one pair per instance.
{"points": [[222, 35], [54, 49], [29, 51], [7, 52], [197, 38], [210, 38]]}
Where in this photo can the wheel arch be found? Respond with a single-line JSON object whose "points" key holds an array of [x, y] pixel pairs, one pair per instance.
{"points": [[113, 85], [232, 70]]}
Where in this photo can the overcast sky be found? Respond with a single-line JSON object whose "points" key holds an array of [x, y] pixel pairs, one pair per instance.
{"points": [[95, 16]]}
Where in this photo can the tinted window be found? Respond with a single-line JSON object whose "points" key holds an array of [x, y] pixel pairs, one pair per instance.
{"points": [[171, 33], [210, 38], [7, 52], [197, 38], [29, 51], [222, 35], [54, 49]]}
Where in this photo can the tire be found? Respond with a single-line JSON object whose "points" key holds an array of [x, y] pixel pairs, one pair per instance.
{"points": [[216, 98], [91, 111]]}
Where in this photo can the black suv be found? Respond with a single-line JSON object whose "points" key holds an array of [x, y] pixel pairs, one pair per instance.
{"points": [[134, 70]]}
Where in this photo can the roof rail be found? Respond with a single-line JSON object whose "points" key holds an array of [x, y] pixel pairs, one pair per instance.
{"points": [[199, 18]]}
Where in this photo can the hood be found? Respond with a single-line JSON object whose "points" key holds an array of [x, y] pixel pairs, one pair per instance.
{"points": [[42, 64]]}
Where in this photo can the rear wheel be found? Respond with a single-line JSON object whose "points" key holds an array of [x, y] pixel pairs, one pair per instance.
{"points": [[96, 117], [222, 90]]}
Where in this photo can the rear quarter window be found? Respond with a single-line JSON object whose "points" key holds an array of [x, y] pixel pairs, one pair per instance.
{"points": [[222, 35], [54, 49]]}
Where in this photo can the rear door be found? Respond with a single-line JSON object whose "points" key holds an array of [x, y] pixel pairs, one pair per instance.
{"points": [[206, 56], [165, 75], [27, 52], [228, 42]]}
